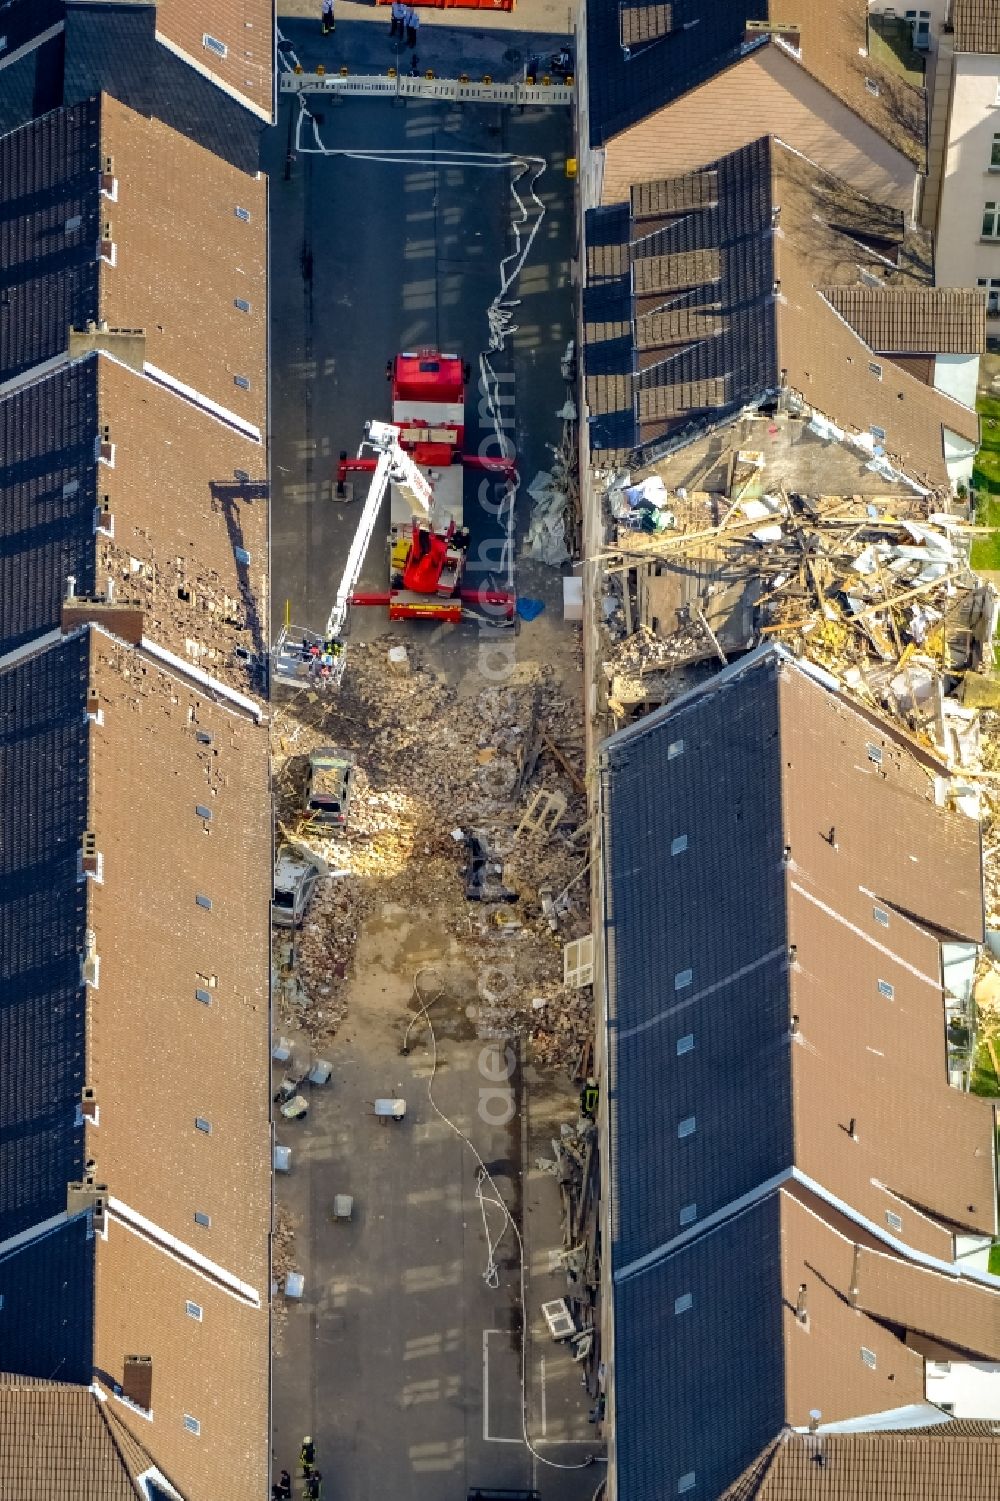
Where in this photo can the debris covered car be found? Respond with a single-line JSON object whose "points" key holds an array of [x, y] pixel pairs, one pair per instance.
{"points": [[295, 878], [331, 781]]}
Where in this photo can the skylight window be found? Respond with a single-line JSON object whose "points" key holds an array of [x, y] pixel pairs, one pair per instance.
{"points": [[868, 1356], [202, 1219], [689, 1214], [686, 1127], [243, 381], [212, 44], [242, 304], [201, 1124], [893, 1220], [679, 845], [674, 749], [204, 901], [881, 916], [242, 213], [191, 1424], [683, 979], [683, 1303], [887, 989], [685, 1044], [193, 1310]]}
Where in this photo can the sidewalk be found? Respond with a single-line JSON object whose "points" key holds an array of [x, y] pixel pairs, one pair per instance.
{"points": [[449, 41]]}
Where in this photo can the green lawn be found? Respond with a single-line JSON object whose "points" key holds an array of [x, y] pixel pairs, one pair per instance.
{"points": [[890, 42], [984, 1080], [986, 482]]}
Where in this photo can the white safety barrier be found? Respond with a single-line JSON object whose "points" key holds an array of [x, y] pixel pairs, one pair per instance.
{"points": [[405, 87]]}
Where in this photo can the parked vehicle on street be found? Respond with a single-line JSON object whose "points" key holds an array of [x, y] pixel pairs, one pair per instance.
{"points": [[331, 782], [294, 883]]}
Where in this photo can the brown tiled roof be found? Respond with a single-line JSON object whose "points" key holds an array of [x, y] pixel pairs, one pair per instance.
{"points": [[189, 498], [62, 1443], [154, 940], [839, 1065], [950, 1462], [977, 25], [183, 258], [244, 27], [674, 195], [669, 273], [188, 1355], [834, 49], [690, 396], [914, 320], [824, 359]]}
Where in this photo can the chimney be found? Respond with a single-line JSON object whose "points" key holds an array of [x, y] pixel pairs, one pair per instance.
{"points": [[794, 1024], [137, 1380], [126, 344], [801, 1312], [122, 618], [855, 1292], [789, 32], [88, 1101], [70, 586], [90, 857], [852, 1129], [88, 1195]]}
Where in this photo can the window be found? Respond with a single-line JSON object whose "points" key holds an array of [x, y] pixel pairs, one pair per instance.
{"points": [[75, 220], [868, 1356], [213, 44], [203, 996], [202, 811], [204, 1220], [679, 845], [874, 753], [242, 304], [991, 286], [686, 1483], [204, 738], [204, 901], [878, 433], [193, 1310], [881, 916], [887, 989], [242, 213], [991, 222], [683, 979], [683, 1303], [874, 369], [689, 1214], [686, 1127], [243, 381], [995, 152], [242, 556], [685, 1044], [894, 1221], [675, 748], [191, 1424], [201, 1124]]}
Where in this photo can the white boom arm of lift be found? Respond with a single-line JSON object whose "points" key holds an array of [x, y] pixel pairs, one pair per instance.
{"points": [[394, 467], [300, 656]]}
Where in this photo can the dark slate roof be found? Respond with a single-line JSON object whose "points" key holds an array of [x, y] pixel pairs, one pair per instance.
{"points": [[43, 814], [114, 49], [704, 36], [683, 930], [48, 492], [49, 229], [31, 85], [21, 21], [47, 1318], [693, 286], [700, 1392]]}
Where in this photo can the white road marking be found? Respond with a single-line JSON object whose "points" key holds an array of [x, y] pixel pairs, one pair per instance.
{"points": [[489, 1437]]}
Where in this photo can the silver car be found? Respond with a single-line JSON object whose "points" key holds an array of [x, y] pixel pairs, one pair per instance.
{"points": [[294, 882]]}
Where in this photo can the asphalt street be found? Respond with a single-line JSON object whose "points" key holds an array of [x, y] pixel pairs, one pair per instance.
{"points": [[372, 256], [402, 1360]]}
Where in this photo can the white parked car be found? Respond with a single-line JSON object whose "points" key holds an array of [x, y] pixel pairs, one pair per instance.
{"points": [[295, 879]]}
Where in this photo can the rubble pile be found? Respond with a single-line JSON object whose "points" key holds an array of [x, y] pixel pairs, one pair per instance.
{"points": [[282, 1262], [877, 590], [434, 766]]}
